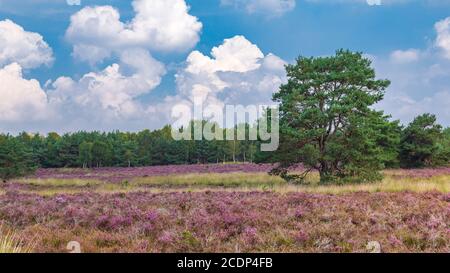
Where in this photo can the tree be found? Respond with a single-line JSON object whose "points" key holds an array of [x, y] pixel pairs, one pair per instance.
{"points": [[443, 154], [52, 159], [128, 153], [100, 153], [388, 140], [85, 154], [16, 159], [419, 143], [326, 120]]}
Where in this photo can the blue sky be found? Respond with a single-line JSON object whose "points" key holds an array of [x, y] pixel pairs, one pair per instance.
{"points": [[400, 36]]}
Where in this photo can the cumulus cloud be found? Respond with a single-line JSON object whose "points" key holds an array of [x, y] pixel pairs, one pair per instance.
{"points": [[110, 95], [160, 25], [96, 100], [235, 55], [28, 49], [237, 73], [269, 7], [22, 99]]}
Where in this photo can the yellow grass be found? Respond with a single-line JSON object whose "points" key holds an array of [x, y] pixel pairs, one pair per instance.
{"points": [[388, 184], [234, 182], [237, 179], [10, 242], [53, 182]]}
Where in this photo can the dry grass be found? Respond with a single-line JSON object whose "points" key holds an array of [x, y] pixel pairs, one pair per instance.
{"points": [[11, 242], [388, 184], [233, 182], [60, 182], [262, 181], [211, 179]]}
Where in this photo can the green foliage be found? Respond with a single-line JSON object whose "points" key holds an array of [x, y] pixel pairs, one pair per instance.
{"points": [[119, 149], [16, 159], [424, 143], [85, 154], [101, 153], [326, 121], [442, 156]]}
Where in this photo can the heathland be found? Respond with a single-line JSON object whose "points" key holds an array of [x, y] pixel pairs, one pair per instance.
{"points": [[222, 208]]}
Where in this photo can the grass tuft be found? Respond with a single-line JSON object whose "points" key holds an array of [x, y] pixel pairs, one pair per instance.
{"points": [[11, 242]]}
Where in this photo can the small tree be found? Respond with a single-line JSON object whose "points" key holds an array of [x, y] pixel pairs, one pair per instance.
{"points": [[15, 159], [326, 120], [419, 144]]}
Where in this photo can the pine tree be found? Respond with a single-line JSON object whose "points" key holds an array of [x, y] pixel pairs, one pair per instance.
{"points": [[16, 159]]}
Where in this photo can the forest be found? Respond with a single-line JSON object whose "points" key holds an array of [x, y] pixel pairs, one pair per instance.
{"points": [[423, 143]]}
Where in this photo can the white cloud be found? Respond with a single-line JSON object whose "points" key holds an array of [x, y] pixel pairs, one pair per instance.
{"points": [[110, 95], [25, 48], [269, 7], [100, 100], [443, 36], [236, 54], [161, 25], [405, 56], [104, 100], [21, 99], [236, 73]]}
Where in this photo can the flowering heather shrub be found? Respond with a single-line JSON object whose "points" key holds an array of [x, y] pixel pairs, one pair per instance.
{"points": [[250, 235], [420, 173], [301, 236], [231, 221], [122, 174]]}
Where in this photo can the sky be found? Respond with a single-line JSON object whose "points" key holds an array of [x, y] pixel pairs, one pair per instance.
{"points": [[69, 65]]}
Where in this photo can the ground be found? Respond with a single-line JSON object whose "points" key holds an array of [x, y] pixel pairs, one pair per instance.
{"points": [[224, 208]]}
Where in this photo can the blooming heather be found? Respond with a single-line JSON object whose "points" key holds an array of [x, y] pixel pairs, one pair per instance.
{"points": [[230, 221]]}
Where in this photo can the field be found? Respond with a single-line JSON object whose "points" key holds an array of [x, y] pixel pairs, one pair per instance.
{"points": [[222, 208]]}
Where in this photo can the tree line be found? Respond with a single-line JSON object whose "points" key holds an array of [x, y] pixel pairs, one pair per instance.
{"points": [[422, 143], [117, 149]]}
